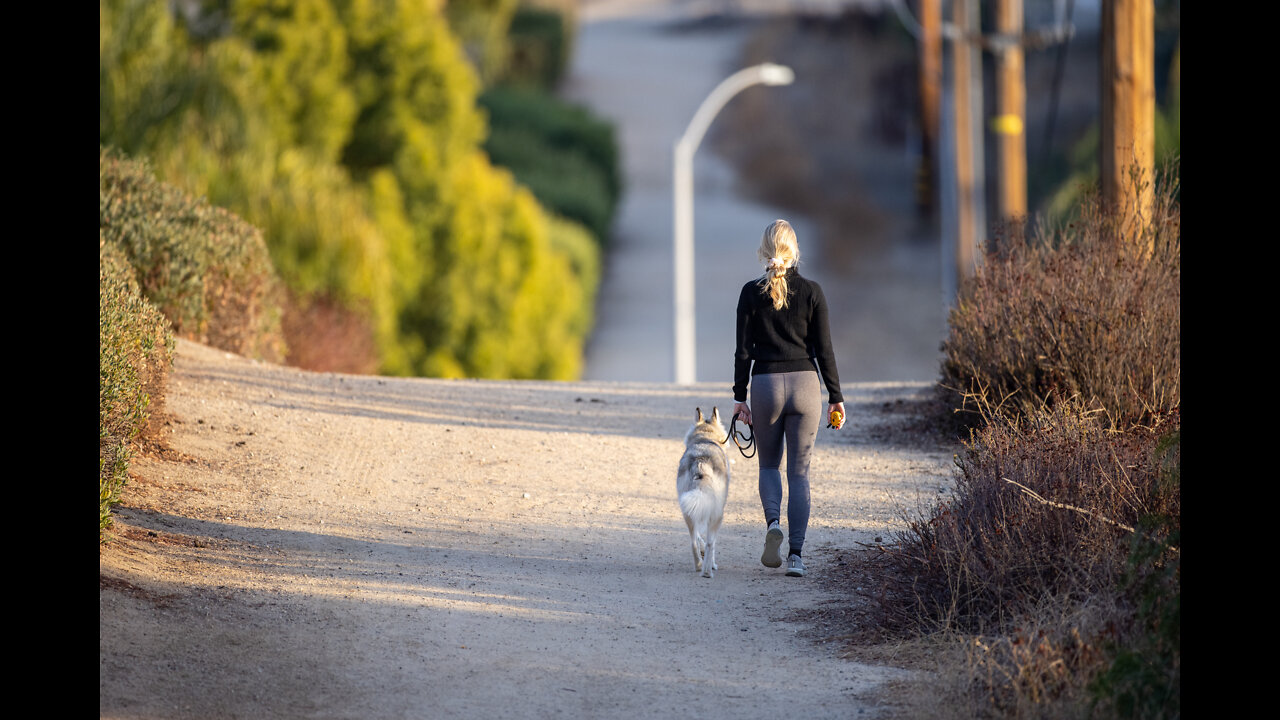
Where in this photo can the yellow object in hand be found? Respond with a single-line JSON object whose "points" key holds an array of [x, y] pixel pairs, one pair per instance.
{"points": [[836, 420]]}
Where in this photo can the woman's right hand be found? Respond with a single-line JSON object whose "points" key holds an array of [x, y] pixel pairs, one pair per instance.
{"points": [[741, 410]]}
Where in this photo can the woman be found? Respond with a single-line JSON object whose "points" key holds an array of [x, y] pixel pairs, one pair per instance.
{"points": [[784, 350]]}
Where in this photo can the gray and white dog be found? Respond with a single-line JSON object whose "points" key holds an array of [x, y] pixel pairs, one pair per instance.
{"points": [[702, 485]]}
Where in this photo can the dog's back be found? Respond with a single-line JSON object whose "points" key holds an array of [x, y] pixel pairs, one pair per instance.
{"points": [[702, 486], [702, 482]]}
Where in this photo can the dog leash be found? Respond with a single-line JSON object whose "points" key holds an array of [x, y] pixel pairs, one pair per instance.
{"points": [[750, 440]]}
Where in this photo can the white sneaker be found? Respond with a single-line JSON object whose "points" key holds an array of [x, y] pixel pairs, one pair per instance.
{"points": [[772, 542], [795, 566]]}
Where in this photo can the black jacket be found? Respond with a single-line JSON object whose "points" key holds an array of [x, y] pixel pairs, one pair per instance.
{"points": [[776, 341]]}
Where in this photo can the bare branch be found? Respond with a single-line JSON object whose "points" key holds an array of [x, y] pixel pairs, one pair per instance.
{"points": [[1036, 496]]}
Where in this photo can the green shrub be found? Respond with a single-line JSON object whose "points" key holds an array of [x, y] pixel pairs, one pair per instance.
{"points": [[579, 248], [145, 75], [135, 347], [489, 295], [1091, 310], [204, 268], [482, 28], [539, 46], [566, 156], [504, 297], [564, 181]]}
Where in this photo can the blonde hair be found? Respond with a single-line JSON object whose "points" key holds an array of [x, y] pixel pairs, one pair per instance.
{"points": [[779, 252]]}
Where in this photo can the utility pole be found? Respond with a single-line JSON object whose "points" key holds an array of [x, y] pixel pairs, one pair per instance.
{"points": [[966, 63], [1128, 109], [1011, 111], [930, 102]]}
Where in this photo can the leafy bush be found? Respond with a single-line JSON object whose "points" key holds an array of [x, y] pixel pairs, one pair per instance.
{"points": [[144, 72], [502, 299], [563, 154], [1091, 310], [135, 347], [579, 248], [204, 268]]}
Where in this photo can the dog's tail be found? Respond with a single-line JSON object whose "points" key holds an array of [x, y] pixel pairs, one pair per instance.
{"points": [[697, 505]]}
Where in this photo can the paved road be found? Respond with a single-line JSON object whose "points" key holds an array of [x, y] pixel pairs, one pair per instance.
{"points": [[649, 82], [645, 67]]}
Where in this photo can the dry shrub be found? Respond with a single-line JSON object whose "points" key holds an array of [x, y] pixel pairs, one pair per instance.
{"points": [[1057, 541], [1043, 666], [1089, 310], [994, 549], [324, 336], [1115, 653], [1056, 560]]}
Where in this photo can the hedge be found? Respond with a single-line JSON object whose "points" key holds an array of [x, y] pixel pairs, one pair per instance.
{"points": [[207, 270], [135, 350]]}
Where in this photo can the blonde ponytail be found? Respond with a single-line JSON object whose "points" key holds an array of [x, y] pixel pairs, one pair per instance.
{"points": [[779, 252]]}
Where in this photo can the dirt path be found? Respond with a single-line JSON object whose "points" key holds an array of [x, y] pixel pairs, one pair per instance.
{"points": [[334, 546]]}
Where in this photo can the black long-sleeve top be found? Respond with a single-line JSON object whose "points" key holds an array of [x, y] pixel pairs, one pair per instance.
{"points": [[786, 340]]}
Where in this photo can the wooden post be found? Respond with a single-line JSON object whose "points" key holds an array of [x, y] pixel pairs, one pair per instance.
{"points": [[930, 103], [1128, 110], [1009, 122], [967, 102]]}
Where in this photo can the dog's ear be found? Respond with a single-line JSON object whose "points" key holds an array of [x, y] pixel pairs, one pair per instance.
{"points": [[699, 414], [715, 414]]}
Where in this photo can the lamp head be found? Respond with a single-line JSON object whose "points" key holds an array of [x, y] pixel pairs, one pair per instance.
{"points": [[772, 74]]}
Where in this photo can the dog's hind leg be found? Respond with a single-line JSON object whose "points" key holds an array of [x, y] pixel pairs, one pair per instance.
{"points": [[709, 560], [693, 540], [699, 553]]}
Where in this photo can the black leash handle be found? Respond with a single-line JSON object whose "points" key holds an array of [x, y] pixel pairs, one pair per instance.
{"points": [[750, 440]]}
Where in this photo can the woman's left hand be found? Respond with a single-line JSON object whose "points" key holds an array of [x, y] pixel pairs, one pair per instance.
{"points": [[837, 407]]}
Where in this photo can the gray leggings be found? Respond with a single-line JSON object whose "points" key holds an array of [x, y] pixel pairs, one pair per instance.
{"points": [[786, 409]]}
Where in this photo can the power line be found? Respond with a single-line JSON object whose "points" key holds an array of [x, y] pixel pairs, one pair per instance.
{"points": [[992, 42]]}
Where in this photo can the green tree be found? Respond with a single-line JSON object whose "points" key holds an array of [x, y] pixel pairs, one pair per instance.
{"points": [[348, 131]]}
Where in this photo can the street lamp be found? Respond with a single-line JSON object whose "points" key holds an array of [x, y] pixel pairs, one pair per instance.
{"points": [[686, 146]]}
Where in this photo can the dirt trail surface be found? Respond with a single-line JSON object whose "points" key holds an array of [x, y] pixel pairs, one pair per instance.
{"points": [[315, 545]]}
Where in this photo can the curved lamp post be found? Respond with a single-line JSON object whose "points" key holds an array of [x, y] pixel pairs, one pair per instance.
{"points": [[686, 146]]}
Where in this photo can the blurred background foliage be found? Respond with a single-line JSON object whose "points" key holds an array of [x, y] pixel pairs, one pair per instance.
{"points": [[352, 134]]}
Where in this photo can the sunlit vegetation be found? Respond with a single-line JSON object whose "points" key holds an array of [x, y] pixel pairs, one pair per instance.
{"points": [[348, 131]]}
